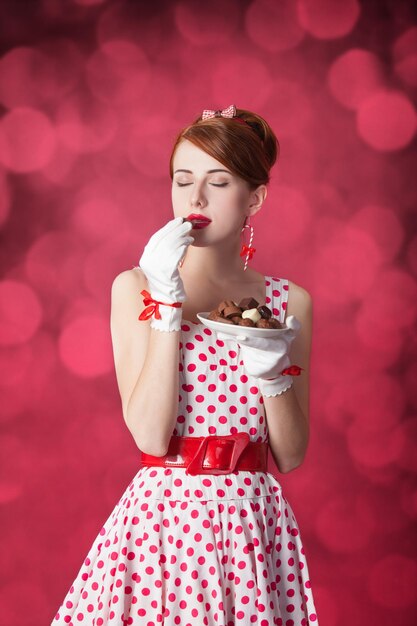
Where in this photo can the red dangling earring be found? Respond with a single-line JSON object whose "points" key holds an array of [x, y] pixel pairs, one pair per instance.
{"points": [[247, 249]]}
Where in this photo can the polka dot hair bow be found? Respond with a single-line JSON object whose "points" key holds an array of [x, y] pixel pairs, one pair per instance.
{"points": [[229, 112]]}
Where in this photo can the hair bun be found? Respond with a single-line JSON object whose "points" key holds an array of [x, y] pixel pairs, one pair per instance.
{"points": [[265, 133]]}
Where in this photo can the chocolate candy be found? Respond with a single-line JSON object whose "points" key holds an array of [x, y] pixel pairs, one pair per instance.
{"points": [[213, 315], [252, 314], [247, 313], [223, 320], [276, 323], [232, 311], [241, 321], [224, 304], [264, 323], [246, 321], [265, 312], [248, 303]]}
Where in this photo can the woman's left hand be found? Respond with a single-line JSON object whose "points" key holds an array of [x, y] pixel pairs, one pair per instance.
{"points": [[267, 358]]}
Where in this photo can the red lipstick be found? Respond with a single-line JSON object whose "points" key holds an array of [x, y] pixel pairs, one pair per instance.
{"points": [[198, 221]]}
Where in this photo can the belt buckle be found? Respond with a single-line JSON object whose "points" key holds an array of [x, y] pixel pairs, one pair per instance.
{"points": [[195, 466]]}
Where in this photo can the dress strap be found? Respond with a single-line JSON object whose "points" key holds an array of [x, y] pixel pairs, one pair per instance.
{"points": [[277, 296]]}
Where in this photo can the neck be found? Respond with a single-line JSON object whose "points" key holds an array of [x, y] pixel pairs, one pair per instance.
{"points": [[220, 263]]}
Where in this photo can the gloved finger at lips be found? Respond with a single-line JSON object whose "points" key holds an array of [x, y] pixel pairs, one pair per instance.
{"points": [[175, 237], [166, 229], [187, 227], [184, 227]]}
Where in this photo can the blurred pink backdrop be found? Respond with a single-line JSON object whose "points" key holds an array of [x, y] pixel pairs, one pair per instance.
{"points": [[92, 93]]}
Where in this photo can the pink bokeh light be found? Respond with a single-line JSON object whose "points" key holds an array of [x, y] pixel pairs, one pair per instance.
{"points": [[227, 85], [405, 56], [387, 120], [274, 26], [213, 23], [85, 124], [345, 264], [118, 72], [53, 264], [292, 213], [135, 22], [98, 216], [328, 19], [388, 307], [146, 146], [34, 76], [355, 76], [19, 69], [20, 312], [384, 226], [15, 362], [13, 484], [84, 346], [27, 140]]}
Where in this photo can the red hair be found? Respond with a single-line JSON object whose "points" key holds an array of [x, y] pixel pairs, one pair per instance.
{"points": [[249, 150]]}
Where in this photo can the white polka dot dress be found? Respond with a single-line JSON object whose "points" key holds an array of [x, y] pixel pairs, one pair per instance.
{"points": [[205, 550]]}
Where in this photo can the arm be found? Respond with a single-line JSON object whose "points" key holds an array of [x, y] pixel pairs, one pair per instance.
{"points": [[288, 414], [146, 363]]}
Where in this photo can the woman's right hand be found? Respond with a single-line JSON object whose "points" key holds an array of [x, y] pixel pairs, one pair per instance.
{"points": [[160, 259], [159, 262]]}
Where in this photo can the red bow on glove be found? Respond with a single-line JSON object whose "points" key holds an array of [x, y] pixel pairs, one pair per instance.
{"points": [[292, 370], [152, 306]]}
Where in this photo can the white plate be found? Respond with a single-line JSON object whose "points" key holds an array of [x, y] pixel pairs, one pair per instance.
{"points": [[238, 331]]}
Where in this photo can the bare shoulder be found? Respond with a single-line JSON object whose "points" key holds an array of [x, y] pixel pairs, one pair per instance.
{"points": [[127, 281], [300, 302], [127, 301]]}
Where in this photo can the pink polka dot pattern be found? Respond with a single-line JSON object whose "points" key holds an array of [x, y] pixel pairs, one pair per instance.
{"points": [[206, 549]]}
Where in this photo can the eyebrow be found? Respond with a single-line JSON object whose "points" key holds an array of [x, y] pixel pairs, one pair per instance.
{"points": [[208, 171]]}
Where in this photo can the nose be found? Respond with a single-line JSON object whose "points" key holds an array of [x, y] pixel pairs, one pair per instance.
{"points": [[197, 197]]}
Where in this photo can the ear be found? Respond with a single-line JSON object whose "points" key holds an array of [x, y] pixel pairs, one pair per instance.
{"points": [[256, 200]]}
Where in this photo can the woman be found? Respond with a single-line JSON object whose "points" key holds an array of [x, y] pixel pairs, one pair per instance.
{"points": [[203, 534]]}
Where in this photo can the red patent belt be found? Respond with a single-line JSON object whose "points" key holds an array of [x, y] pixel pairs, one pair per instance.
{"points": [[212, 454]]}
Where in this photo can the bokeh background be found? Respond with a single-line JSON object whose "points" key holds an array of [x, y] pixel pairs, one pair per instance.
{"points": [[92, 94]]}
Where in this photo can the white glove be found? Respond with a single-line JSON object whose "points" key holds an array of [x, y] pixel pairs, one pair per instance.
{"points": [[159, 262], [266, 358]]}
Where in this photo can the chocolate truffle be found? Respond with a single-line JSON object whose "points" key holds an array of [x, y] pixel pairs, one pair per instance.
{"points": [[248, 303], [232, 311], [265, 312]]}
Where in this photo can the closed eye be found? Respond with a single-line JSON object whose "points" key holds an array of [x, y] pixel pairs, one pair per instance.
{"points": [[213, 184]]}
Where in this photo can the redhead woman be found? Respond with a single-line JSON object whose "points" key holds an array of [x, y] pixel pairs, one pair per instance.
{"points": [[203, 535]]}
